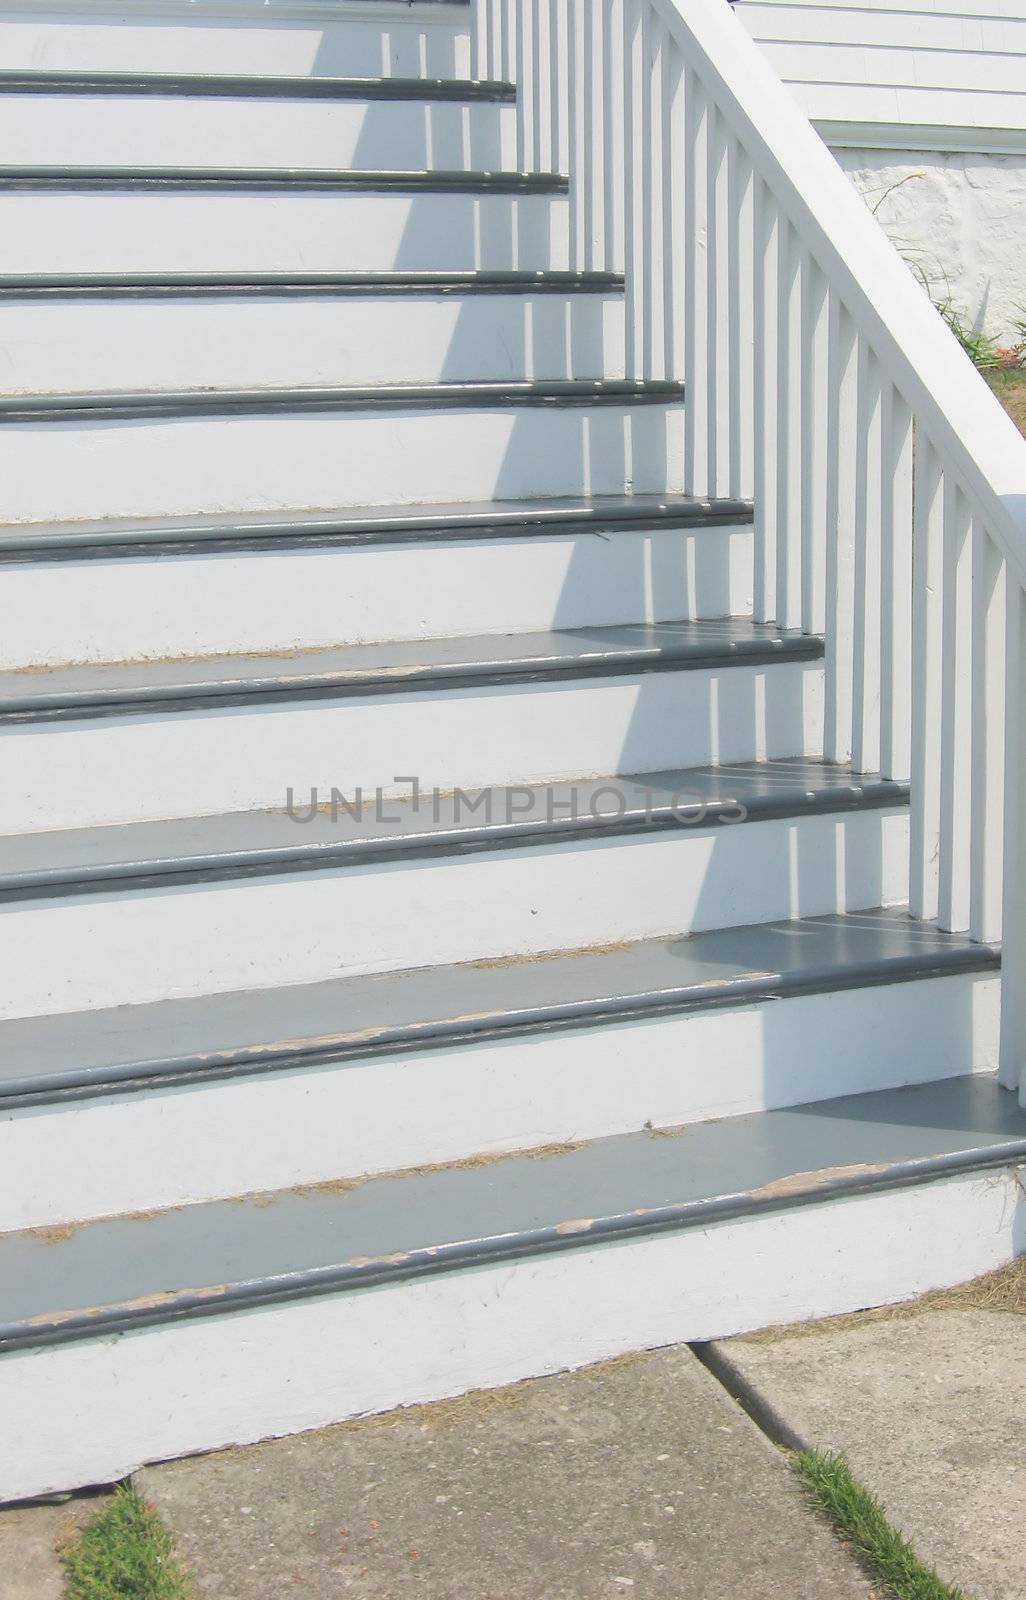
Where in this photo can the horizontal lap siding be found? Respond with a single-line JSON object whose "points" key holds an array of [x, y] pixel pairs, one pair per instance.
{"points": [[963, 66]]}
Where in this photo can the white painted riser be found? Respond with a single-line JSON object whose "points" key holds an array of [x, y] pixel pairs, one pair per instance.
{"points": [[199, 605], [384, 135], [104, 950], [90, 1412], [389, 41], [268, 231], [75, 346], [75, 774], [155, 467], [169, 1147]]}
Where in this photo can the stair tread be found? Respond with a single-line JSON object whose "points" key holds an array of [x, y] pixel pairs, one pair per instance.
{"points": [[244, 843], [251, 85], [285, 281], [228, 1254], [369, 524], [360, 1016], [363, 181], [107, 404], [400, 667]]}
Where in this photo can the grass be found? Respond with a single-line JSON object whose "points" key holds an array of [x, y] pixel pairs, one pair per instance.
{"points": [[859, 1518], [1009, 384], [125, 1553], [981, 349]]}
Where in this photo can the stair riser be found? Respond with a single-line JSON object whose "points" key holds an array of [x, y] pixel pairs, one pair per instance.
{"points": [[97, 951], [175, 1146], [156, 607], [432, 41], [384, 135], [230, 231], [296, 460], [91, 1412], [77, 346], [123, 769]]}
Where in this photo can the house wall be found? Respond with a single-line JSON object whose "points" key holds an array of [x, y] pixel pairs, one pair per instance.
{"points": [[924, 105]]}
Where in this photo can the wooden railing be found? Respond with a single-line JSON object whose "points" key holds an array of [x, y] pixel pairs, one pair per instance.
{"points": [[890, 486]]}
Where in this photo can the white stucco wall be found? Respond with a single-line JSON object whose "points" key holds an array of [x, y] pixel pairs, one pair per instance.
{"points": [[960, 220]]}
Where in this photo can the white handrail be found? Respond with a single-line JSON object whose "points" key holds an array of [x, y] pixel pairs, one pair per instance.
{"points": [[889, 485]]}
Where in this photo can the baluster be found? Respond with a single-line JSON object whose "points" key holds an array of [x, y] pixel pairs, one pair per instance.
{"points": [[634, 199], [559, 85], [866, 632], [927, 667], [541, 149], [896, 586], [594, 66], [508, 36], [739, 318], [653, 43], [718, 312], [479, 40], [523, 76], [577, 128], [987, 801], [842, 422], [957, 752], [674, 216], [1013, 937], [764, 301], [613, 135], [814, 407], [696, 288], [788, 471]]}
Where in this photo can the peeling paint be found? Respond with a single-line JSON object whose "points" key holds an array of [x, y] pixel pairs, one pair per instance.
{"points": [[821, 1178]]}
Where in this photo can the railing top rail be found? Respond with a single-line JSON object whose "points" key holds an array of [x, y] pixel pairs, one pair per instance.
{"points": [[963, 417]]}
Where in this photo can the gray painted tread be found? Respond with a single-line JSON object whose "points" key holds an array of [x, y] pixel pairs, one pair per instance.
{"points": [[113, 405], [402, 667], [283, 179], [264, 86], [357, 1017], [370, 829], [217, 1257], [374, 525], [142, 285]]}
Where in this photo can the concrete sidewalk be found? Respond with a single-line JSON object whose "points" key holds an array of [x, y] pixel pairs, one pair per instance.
{"points": [[638, 1478], [30, 1539], [931, 1414]]}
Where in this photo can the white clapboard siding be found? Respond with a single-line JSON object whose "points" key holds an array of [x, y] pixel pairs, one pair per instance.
{"points": [[962, 65]]}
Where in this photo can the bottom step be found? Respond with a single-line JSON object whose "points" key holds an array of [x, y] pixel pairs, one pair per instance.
{"points": [[146, 1337]]}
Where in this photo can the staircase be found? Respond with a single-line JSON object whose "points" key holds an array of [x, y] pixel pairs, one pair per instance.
{"points": [[442, 943]]}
